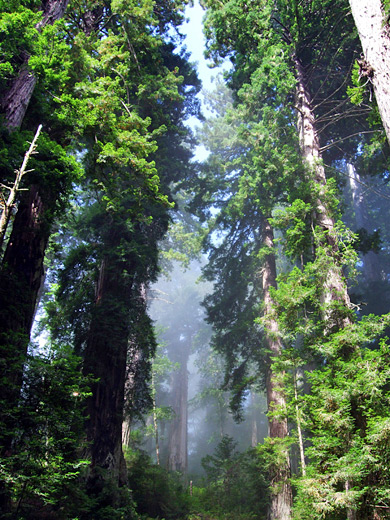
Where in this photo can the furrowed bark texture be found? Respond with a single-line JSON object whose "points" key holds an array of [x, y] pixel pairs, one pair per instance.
{"points": [[105, 360], [374, 34], [18, 96], [22, 271], [335, 287], [20, 281], [281, 494]]}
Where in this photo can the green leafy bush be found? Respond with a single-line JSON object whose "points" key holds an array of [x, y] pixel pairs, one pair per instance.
{"points": [[236, 483], [157, 493]]}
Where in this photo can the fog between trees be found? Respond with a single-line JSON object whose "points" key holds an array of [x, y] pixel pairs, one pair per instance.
{"points": [[212, 337]]}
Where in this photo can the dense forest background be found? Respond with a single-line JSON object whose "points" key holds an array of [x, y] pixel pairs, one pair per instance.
{"points": [[185, 338]]}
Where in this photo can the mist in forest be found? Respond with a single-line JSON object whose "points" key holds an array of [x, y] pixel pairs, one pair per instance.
{"points": [[366, 212], [191, 407]]}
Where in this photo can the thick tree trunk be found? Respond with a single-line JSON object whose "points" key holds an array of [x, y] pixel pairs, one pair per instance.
{"points": [[334, 286], [105, 361], [374, 35], [18, 95], [20, 281], [22, 270], [281, 495], [177, 458]]}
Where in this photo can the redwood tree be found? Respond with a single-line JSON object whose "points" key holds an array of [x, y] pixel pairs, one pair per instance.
{"points": [[372, 22]]}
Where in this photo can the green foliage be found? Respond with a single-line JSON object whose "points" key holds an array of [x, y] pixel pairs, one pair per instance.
{"points": [[157, 493], [299, 304], [294, 221], [43, 467], [346, 409], [368, 241], [18, 32], [236, 483], [111, 94], [110, 502], [358, 90], [386, 9]]}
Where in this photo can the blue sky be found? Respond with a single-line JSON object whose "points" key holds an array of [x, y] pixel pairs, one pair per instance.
{"points": [[195, 43]]}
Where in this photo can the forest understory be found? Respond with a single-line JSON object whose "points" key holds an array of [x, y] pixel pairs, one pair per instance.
{"points": [[185, 338]]}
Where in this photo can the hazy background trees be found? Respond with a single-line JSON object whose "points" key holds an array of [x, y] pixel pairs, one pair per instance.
{"points": [[254, 369]]}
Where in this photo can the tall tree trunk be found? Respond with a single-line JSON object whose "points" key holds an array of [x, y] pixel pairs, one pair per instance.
{"points": [[155, 423], [22, 269], [20, 281], [281, 495], [374, 34], [254, 437], [21, 276], [334, 287], [134, 359], [105, 360], [18, 96], [177, 458]]}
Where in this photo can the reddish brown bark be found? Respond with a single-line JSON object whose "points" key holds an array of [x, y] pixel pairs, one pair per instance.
{"points": [[18, 95], [20, 281], [22, 271], [105, 360]]}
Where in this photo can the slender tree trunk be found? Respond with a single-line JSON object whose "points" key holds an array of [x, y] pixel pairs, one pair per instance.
{"points": [[105, 361], [334, 285], [13, 190], [134, 358], [126, 431], [254, 438], [18, 95], [298, 420], [155, 424], [281, 495], [177, 458], [374, 34]]}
